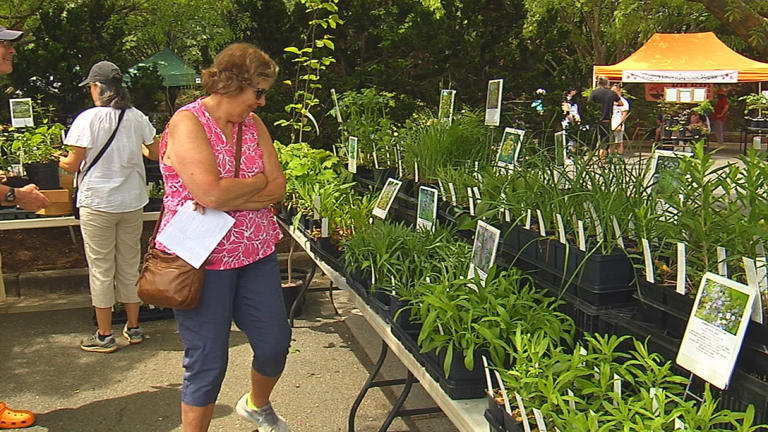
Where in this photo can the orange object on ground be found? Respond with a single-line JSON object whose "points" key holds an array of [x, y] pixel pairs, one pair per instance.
{"points": [[15, 419]]}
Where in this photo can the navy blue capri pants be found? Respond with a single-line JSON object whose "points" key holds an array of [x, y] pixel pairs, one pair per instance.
{"points": [[251, 296]]}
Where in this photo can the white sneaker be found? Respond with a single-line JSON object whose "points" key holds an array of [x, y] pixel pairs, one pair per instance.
{"points": [[265, 418]]}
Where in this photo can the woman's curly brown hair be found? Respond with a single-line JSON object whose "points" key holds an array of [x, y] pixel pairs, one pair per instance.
{"points": [[236, 67]]}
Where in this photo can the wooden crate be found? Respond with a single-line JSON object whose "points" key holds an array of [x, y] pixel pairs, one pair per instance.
{"points": [[61, 202]]}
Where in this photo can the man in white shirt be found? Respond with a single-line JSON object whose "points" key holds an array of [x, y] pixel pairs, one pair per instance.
{"points": [[619, 117]]}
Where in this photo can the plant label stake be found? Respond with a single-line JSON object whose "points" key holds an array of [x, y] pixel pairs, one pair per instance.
{"points": [[595, 221], [571, 400], [528, 219], [542, 229], [679, 425], [751, 271], [560, 228], [375, 158], [648, 261], [476, 191], [453, 193], [616, 386], [655, 393], [316, 207], [324, 228], [582, 237], [442, 189], [722, 265], [539, 420], [681, 268], [415, 171], [762, 278], [471, 202], [336, 105], [352, 155], [399, 162], [521, 406], [617, 230]]}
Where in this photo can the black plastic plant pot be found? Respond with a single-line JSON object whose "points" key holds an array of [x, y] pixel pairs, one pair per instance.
{"points": [[17, 182], [360, 282], [512, 425], [401, 315], [153, 204], [380, 175], [379, 301], [600, 273], [461, 383], [291, 288], [493, 424], [677, 313], [44, 175]]}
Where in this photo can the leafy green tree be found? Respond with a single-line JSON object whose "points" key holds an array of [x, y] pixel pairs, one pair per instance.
{"points": [[747, 19]]}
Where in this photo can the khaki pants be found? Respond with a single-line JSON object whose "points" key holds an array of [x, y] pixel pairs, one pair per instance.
{"points": [[113, 251]]}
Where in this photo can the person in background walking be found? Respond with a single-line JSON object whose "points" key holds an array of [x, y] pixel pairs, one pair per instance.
{"points": [[571, 120], [618, 119], [242, 276], [111, 198], [719, 115], [28, 198], [606, 98]]}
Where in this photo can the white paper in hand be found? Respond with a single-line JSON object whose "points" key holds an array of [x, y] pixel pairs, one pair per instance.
{"points": [[193, 236]]}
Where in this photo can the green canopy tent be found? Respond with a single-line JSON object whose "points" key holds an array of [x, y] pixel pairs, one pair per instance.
{"points": [[174, 72]]}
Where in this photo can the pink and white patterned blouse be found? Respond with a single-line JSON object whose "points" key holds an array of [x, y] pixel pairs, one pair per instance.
{"points": [[255, 232]]}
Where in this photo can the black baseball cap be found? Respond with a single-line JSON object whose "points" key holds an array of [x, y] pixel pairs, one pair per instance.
{"points": [[104, 72], [10, 35]]}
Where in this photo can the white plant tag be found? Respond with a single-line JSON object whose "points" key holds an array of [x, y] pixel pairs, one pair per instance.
{"points": [[539, 420], [375, 159], [471, 202], [373, 276], [759, 248], [682, 264], [582, 236], [617, 385], [751, 270], [453, 193], [399, 163], [324, 227], [507, 216], [521, 406], [648, 261], [596, 221], [654, 392], [762, 277], [415, 171], [679, 425], [617, 231], [560, 228], [722, 265], [442, 189], [571, 400], [528, 219], [542, 228], [316, 207], [476, 191]]}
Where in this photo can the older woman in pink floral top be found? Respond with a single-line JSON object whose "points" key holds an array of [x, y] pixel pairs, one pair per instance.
{"points": [[242, 280]]}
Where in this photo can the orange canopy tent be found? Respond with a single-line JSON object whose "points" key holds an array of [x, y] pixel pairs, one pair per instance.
{"points": [[685, 57]]}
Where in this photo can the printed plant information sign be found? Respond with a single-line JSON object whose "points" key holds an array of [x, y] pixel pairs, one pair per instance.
{"points": [[387, 196], [509, 149], [426, 214], [445, 112], [493, 102], [484, 250], [716, 328]]}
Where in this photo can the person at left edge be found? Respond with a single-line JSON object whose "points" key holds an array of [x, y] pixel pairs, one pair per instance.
{"points": [[28, 198], [111, 198]]}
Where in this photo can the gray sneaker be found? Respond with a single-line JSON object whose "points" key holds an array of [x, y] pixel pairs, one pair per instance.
{"points": [[134, 336], [265, 418], [94, 344]]}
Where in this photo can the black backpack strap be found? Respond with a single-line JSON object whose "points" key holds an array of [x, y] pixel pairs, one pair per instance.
{"points": [[103, 149]]}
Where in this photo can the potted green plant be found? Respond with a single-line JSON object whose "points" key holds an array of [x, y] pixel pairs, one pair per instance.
{"points": [[755, 103], [39, 150]]}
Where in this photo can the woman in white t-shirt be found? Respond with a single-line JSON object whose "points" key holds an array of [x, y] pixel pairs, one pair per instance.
{"points": [[111, 197]]}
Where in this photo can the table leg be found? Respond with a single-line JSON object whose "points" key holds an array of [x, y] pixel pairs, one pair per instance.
{"points": [[72, 235], [302, 293]]}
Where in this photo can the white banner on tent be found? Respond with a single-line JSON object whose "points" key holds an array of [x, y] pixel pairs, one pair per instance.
{"points": [[704, 76]]}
